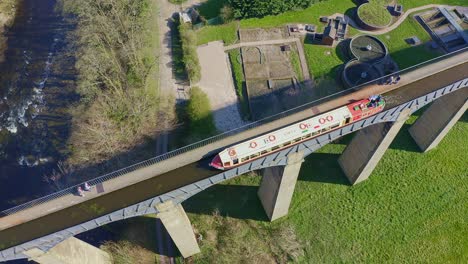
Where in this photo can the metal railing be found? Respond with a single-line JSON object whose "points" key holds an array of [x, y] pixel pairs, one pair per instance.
{"points": [[72, 190]]}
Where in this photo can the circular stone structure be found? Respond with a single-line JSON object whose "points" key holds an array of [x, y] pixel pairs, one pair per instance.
{"points": [[358, 72], [373, 16], [368, 49]]}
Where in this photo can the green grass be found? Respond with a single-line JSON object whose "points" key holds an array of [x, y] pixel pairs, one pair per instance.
{"points": [[373, 13], [226, 33], [411, 210], [407, 4], [309, 15], [404, 54], [296, 63], [237, 71], [177, 2], [322, 64]]}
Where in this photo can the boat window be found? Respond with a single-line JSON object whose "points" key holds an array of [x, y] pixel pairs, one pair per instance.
{"points": [[297, 139], [244, 159], [263, 152], [325, 129], [275, 148], [227, 163], [315, 133], [307, 136], [334, 126], [286, 143], [254, 155], [348, 119], [236, 161]]}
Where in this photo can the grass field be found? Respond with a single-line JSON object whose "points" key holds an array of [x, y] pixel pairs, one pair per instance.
{"points": [[412, 209], [404, 54]]}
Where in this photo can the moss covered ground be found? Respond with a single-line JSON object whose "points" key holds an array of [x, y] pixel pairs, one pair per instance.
{"points": [[373, 13]]}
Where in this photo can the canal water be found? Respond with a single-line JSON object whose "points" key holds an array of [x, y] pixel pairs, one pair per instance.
{"points": [[36, 90]]}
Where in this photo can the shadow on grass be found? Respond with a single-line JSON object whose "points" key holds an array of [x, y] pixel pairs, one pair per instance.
{"points": [[404, 141], [146, 232], [323, 167], [342, 50], [237, 201], [464, 118]]}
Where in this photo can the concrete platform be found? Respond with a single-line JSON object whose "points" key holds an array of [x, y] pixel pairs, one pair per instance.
{"points": [[177, 224], [70, 251], [277, 186], [438, 119], [366, 149]]}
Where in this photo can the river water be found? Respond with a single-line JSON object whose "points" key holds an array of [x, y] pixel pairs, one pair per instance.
{"points": [[36, 89]]}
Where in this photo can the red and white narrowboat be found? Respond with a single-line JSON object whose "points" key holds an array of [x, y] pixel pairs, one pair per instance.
{"points": [[294, 134]]}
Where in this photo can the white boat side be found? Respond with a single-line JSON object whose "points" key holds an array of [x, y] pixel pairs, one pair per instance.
{"points": [[278, 137]]}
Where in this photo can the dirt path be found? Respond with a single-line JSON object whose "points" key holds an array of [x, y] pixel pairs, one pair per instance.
{"points": [[400, 20]]}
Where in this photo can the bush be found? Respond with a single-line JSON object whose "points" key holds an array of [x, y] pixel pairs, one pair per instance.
{"points": [[125, 252], [199, 114], [261, 8], [188, 41], [227, 14]]}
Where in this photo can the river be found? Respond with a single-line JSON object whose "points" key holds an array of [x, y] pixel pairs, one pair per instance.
{"points": [[36, 91]]}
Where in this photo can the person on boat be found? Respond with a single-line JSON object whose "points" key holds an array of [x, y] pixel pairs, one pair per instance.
{"points": [[86, 186]]}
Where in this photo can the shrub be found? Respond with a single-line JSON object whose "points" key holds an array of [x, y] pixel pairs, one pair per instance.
{"points": [[188, 41], [227, 14], [261, 8], [199, 114]]}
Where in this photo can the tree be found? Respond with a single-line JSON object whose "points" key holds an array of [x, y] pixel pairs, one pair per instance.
{"points": [[260, 8]]}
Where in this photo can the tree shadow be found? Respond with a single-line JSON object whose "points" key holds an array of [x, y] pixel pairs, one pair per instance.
{"points": [[142, 231], [351, 12], [211, 8], [237, 201], [342, 50]]}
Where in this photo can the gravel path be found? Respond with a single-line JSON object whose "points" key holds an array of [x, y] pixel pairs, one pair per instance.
{"points": [[216, 81]]}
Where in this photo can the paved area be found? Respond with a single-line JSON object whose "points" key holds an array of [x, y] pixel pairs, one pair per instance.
{"points": [[216, 81]]}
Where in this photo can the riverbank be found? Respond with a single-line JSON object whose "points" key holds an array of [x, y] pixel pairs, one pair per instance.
{"points": [[8, 10]]}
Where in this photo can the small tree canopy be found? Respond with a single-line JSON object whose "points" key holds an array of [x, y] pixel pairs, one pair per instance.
{"points": [[261, 8]]}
